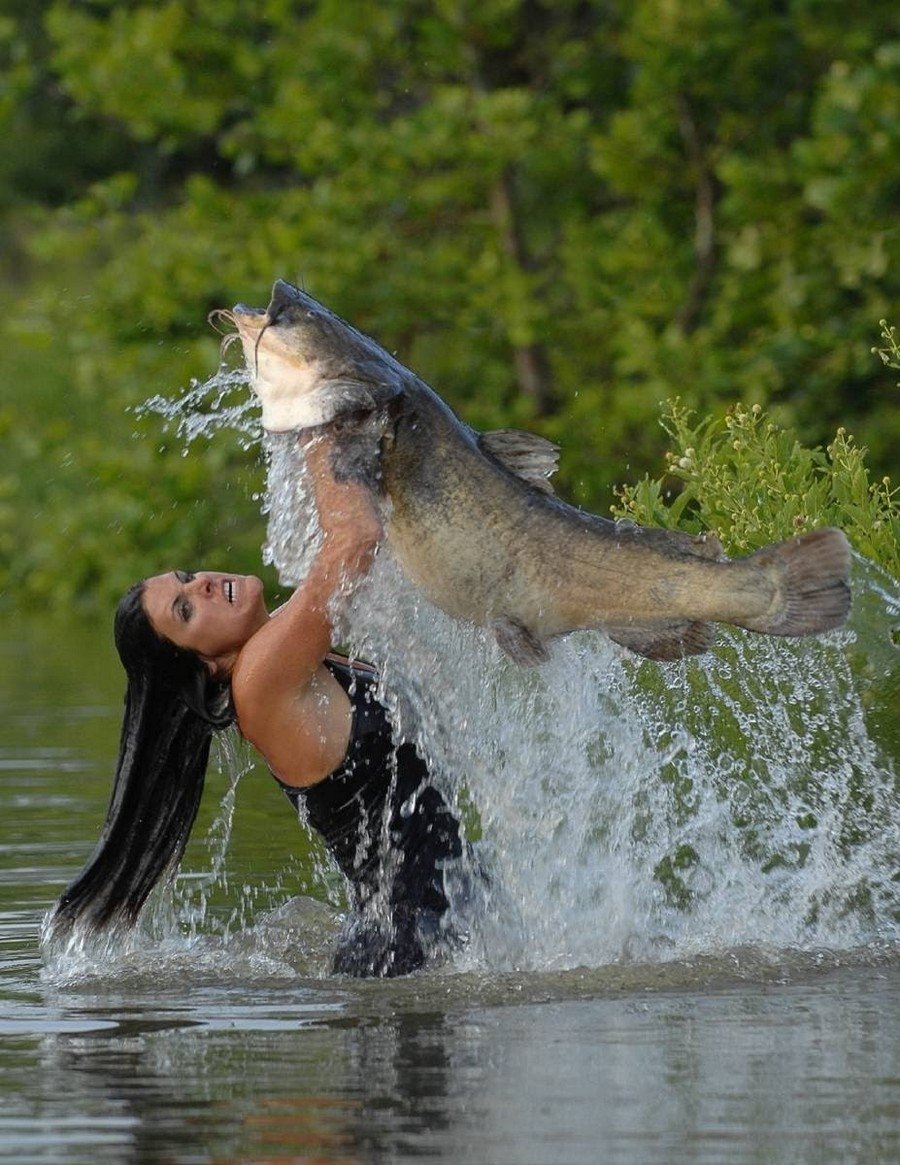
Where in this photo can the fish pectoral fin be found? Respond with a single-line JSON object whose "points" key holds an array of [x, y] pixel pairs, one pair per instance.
{"points": [[514, 638], [528, 456], [339, 397], [667, 642]]}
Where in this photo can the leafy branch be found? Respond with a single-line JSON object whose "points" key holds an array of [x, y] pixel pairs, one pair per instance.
{"points": [[750, 481]]}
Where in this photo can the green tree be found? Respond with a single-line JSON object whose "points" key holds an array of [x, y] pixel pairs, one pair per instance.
{"points": [[559, 213]]}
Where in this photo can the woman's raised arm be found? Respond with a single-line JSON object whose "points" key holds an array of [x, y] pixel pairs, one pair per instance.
{"points": [[281, 697]]}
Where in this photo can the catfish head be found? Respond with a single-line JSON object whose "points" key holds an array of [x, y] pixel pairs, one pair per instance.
{"points": [[308, 366]]}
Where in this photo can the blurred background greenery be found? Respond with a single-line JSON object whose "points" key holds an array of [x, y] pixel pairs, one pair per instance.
{"points": [[560, 214]]}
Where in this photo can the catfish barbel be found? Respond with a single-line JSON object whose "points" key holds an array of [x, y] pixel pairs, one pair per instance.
{"points": [[473, 521]]}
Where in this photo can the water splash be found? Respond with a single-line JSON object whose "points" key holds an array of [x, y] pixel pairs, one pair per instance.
{"points": [[633, 811], [293, 534], [207, 407], [639, 811], [630, 811]]}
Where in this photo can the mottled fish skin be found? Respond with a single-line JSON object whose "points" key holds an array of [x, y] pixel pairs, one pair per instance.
{"points": [[473, 520]]}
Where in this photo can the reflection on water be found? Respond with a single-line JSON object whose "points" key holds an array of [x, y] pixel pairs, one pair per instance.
{"points": [[808, 1072], [225, 1042]]}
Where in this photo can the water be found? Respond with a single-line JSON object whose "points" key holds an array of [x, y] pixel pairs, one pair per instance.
{"points": [[633, 811], [689, 953]]}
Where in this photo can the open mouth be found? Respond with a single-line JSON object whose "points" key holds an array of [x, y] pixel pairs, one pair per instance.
{"points": [[249, 322], [229, 588]]}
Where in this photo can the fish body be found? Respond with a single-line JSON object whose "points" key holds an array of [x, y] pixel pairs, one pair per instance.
{"points": [[474, 523]]}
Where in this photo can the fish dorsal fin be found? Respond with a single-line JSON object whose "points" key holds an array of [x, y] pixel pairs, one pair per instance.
{"points": [[667, 642], [528, 456]]}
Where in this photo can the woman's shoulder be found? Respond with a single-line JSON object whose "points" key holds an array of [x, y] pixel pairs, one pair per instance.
{"points": [[301, 730], [261, 679]]}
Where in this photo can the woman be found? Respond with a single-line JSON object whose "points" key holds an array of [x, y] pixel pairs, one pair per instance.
{"points": [[200, 652]]}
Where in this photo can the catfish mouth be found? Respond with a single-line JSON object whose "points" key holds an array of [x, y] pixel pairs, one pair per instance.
{"points": [[285, 353], [306, 365], [243, 316], [250, 324], [286, 304]]}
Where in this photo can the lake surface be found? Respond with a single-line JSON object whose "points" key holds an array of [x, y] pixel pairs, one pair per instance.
{"points": [[219, 1037]]}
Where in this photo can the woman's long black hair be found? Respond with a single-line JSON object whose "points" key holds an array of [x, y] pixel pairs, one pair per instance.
{"points": [[172, 708]]}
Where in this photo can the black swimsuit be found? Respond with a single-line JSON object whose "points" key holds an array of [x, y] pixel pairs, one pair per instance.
{"points": [[393, 836]]}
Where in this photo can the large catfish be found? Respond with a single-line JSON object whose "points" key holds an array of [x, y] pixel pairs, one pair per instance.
{"points": [[473, 521]]}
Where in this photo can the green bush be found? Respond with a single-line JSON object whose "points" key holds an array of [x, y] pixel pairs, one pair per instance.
{"points": [[751, 482]]}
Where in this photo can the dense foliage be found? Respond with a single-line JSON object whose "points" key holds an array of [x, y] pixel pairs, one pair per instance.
{"points": [[749, 481], [560, 213]]}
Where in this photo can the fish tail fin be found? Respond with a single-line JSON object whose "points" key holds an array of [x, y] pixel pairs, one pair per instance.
{"points": [[810, 574]]}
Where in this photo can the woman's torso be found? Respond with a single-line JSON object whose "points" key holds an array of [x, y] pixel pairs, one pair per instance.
{"points": [[390, 830]]}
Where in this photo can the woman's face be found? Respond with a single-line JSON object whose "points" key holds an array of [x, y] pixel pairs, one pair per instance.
{"points": [[210, 613]]}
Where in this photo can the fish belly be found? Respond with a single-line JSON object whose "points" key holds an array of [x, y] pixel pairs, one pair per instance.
{"points": [[459, 570]]}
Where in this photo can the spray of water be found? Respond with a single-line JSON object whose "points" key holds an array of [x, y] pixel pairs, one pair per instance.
{"points": [[630, 810], [207, 407], [627, 811]]}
